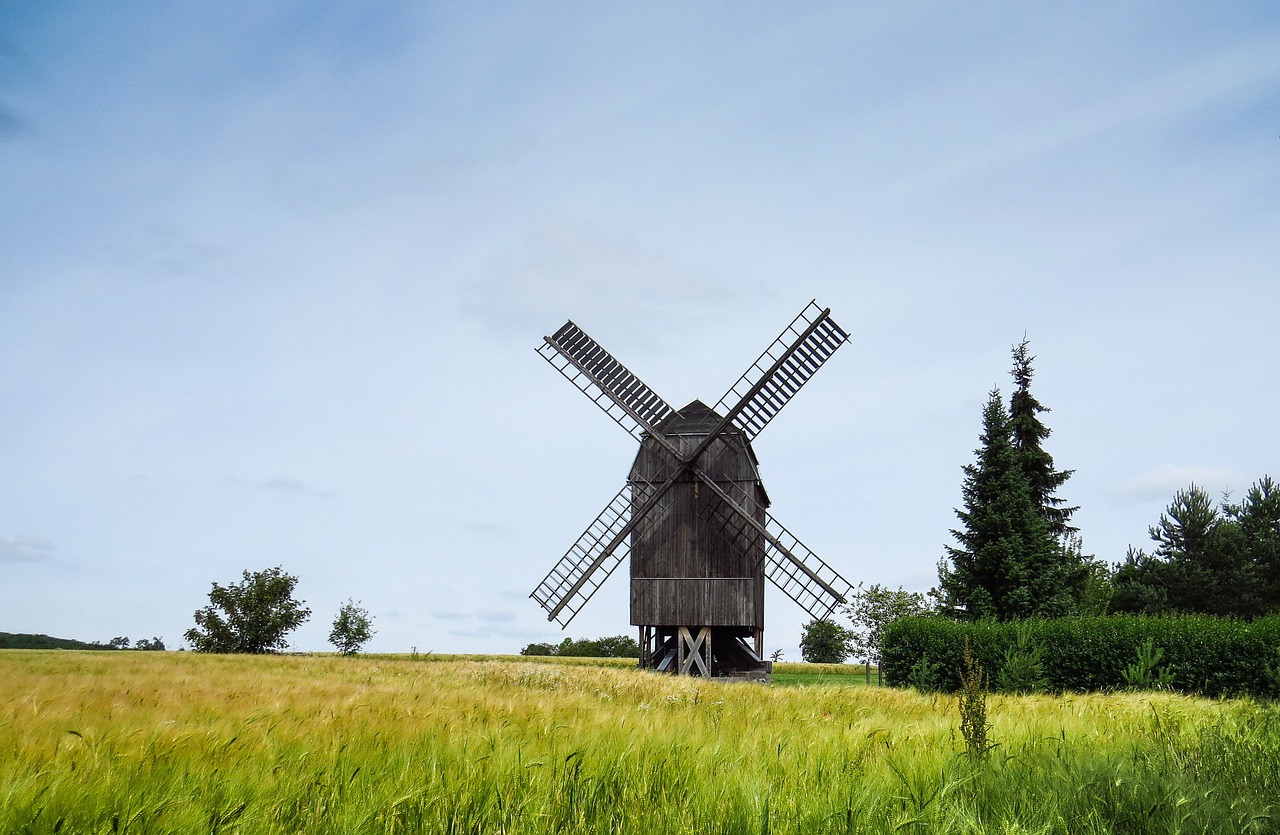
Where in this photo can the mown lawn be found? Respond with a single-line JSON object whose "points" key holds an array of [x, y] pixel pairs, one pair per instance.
{"points": [[178, 742]]}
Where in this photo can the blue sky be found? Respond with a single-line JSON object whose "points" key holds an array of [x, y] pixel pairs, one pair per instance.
{"points": [[271, 277]]}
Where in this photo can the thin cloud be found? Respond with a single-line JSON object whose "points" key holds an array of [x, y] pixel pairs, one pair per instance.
{"points": [[168, 252], [23, 549], [494, 632], [11, 123], [281, 484], [1165, 480], [564, 266], [1232, 73]]}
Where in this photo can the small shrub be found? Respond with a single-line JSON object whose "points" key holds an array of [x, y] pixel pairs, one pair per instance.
{"points": [[1272, 670], [926, 675], [1143, 674], [1023, 667]]}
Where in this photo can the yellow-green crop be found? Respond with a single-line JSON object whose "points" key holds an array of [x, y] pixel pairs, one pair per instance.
{"points": [[186, 743]]}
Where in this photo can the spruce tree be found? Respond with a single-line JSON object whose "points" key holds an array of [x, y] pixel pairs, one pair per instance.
{"points": [[1028, 434], [1007, 564]]}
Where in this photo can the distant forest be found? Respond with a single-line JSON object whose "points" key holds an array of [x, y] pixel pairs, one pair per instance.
{"points": [[20, 640], [11, 640]]}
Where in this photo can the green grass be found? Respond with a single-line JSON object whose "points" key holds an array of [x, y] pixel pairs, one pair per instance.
{"points": [[177, 742], [790, 674]]}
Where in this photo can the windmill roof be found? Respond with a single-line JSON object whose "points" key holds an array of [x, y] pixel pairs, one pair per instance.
{"points": [[697, 418]]}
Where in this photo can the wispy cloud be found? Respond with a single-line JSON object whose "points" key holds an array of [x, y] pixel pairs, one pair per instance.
{"points": [[168, 252], [1165, 480], [494, 632], [11, 122], [281, 484], [485, 615], [25, 549], [1238, 71], [565, 267]]}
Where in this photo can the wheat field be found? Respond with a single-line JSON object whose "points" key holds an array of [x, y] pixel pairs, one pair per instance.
{"points": [[143, 742]]}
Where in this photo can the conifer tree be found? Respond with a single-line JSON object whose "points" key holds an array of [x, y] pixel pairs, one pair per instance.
{"points": [[1007, 564], [1028, 434]]}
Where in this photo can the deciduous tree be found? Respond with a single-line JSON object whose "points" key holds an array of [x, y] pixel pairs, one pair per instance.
{"points": [[872, 609], [252, 616], [824, 642], [352, 628]]}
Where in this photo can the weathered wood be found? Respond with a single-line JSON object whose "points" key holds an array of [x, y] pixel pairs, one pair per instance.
{"points": [[695, 651], [686, 568]]}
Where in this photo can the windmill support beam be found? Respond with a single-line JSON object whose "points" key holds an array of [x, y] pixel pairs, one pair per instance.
{"points": [[695, 651]]}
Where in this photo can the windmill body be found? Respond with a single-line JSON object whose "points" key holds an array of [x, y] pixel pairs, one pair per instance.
{"points": [[689, 571], [693, 513]]}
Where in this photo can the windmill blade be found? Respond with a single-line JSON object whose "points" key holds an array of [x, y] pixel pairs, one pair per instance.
{"points": [[575, 578], [606, 382], [784, 367], [602, 547], [790, 564], [801, 574]]}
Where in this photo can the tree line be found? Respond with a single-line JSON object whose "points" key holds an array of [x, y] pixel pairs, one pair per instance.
{"points": [[1017, 555], [616, 646]]}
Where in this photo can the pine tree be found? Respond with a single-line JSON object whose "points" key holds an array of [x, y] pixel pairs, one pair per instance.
{"points": [[1029, 433], [1008, 563], [1206, 560]]}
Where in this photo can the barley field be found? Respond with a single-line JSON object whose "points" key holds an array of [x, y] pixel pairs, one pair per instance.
{"points": [[183, 743]]}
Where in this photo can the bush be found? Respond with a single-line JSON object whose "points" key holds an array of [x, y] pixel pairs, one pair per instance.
{"points": [[1144, 674], [925, 675], [1199, 654]]}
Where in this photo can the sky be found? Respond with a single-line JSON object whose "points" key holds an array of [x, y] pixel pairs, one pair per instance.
{"points": [[272, 276]]}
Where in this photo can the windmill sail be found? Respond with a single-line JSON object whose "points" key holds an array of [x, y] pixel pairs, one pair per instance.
{"points": [[602, 547], [784, 367], [606, 382], [584, 567], [790, 564], [801, 574]]}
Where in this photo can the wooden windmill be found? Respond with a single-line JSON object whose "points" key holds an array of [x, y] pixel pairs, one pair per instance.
{"points": [[693, 513]]}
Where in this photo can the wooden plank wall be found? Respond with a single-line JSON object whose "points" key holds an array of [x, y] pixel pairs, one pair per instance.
{"points": [[685, 568]]}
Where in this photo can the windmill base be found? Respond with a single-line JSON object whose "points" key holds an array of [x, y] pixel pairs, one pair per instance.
{"points": [[707, 651]]}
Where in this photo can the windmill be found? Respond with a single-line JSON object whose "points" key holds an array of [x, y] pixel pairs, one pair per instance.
{"points": [[693, 514]]}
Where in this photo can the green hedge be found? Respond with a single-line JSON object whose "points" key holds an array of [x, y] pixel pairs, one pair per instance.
{"points": [[1206, 655]]}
